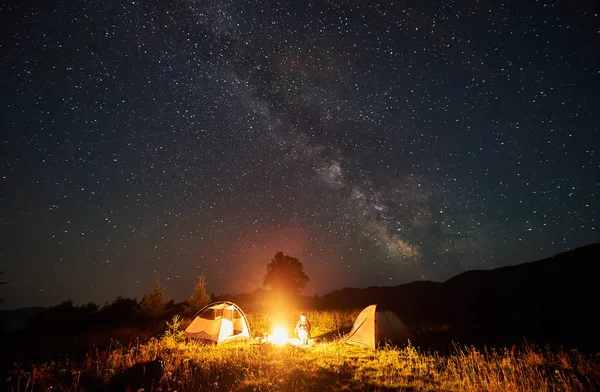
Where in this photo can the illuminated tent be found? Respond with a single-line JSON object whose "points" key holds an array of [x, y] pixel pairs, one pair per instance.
{"points": [[375, 327], [219, 322]]}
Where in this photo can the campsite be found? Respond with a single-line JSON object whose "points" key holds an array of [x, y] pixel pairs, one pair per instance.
{"points": [[231, 343], [292, 195]]}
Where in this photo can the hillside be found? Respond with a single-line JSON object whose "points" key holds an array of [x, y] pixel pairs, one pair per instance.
{"points": [[547, 301]]}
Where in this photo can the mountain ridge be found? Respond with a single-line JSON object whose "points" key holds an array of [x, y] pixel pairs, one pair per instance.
{"points": [[550, 300]]}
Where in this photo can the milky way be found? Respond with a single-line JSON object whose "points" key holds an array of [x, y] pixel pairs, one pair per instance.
{"points": [[379, 142]]}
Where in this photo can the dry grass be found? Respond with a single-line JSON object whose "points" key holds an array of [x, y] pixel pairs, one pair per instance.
{"points": [[324, 323], [331, 366]]}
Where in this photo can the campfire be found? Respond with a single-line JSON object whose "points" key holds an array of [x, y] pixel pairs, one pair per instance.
{"points": [[279, 336]]}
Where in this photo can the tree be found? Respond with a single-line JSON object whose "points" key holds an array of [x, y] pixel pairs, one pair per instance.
{"points": [[285, 274], [121, 311], [153, 304], [199, 297]]}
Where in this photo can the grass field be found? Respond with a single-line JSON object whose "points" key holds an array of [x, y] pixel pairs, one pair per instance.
{"points": [[169, 363]]}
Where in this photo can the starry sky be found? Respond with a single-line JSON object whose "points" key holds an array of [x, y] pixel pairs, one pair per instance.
{"points": [[380, 142]]}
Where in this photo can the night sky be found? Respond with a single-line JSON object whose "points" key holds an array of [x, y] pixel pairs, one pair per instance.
{"points": [[380, 142]]}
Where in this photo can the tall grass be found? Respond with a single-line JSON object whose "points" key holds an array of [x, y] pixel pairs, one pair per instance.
{"points": [[331, 365], [324, 323]]}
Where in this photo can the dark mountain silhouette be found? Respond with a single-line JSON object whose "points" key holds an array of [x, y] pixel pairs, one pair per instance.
{"points": [[551, 301]]}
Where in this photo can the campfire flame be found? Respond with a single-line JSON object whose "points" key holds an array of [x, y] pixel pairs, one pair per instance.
{"points": [[280, 336]]}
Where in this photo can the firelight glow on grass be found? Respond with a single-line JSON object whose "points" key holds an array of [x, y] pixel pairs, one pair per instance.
{"points": [[331, 366]]}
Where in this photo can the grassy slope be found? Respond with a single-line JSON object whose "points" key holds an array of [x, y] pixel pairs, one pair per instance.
{"points": [[169, 363]]}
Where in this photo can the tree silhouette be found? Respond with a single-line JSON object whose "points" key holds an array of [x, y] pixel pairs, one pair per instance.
{"points": [[153, 304], [198, 299], [121, 311], [285, 274]]}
